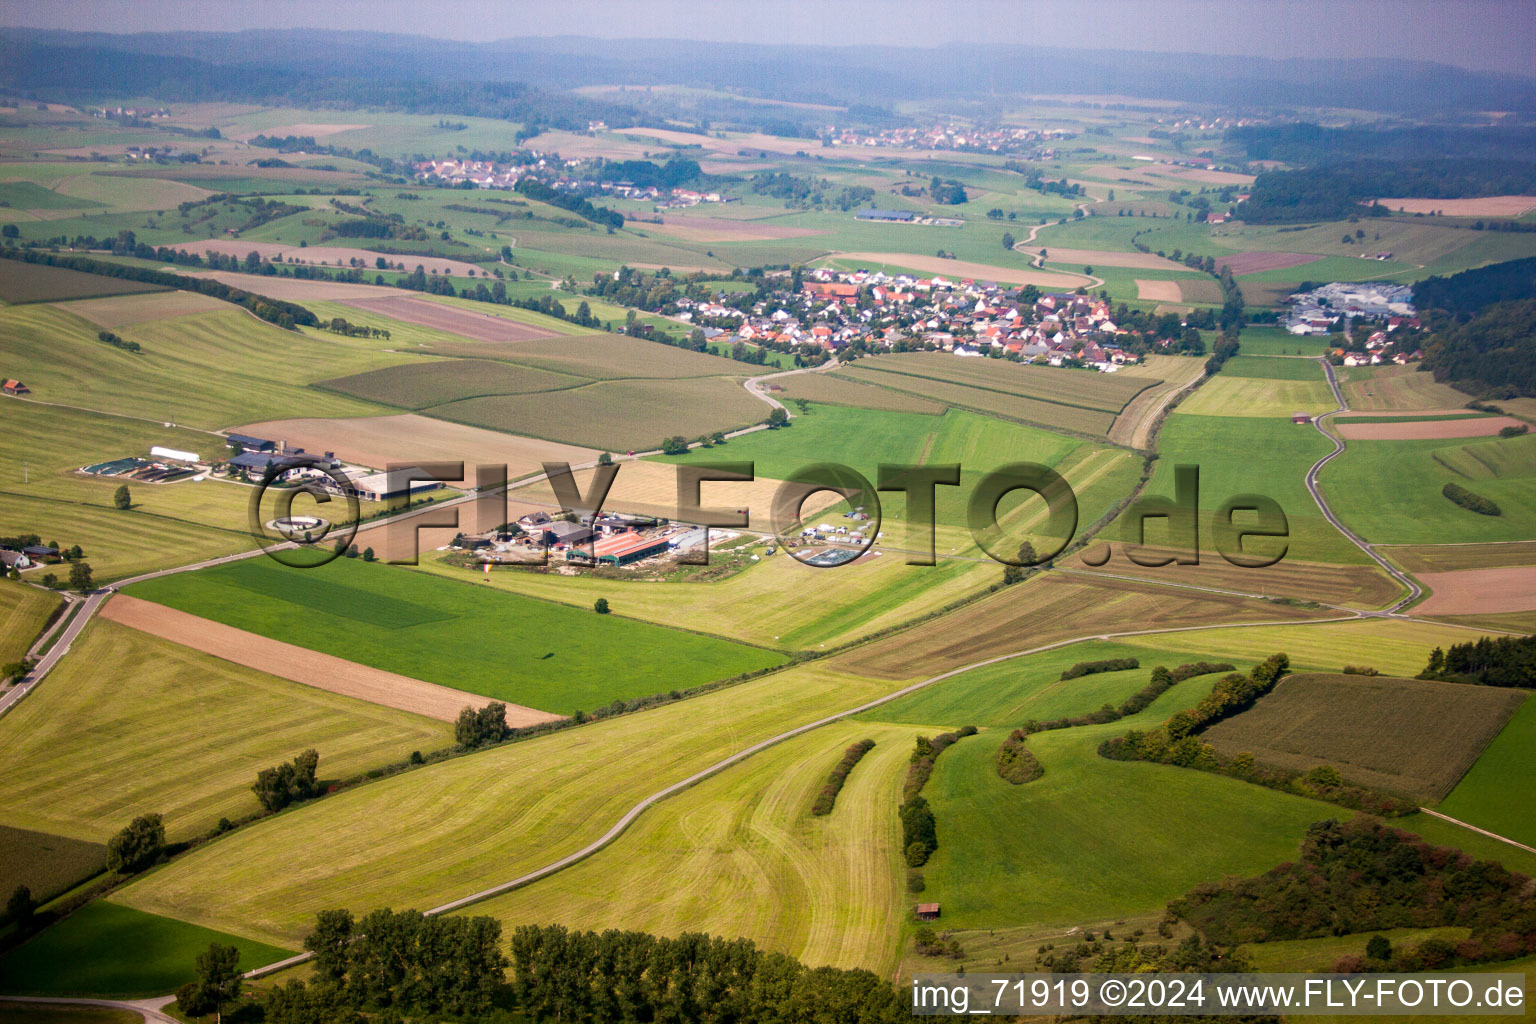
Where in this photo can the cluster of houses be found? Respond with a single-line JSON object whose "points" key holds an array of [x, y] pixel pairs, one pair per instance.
{"points": [[833, 310], [1031, 141], [20, 559], [604, 538], [254, 457], [1314, 312], [549, 169]]}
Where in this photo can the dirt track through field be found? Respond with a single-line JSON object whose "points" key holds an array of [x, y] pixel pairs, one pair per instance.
{"points": [[301, 665]]}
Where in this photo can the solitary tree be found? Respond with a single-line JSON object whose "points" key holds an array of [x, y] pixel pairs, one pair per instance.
{"points": [[80, 576], [600, 606], [778, 418], [368, 555], [1007, 240], [218, 976], [138, 845], [605, 459], [121, 498]]}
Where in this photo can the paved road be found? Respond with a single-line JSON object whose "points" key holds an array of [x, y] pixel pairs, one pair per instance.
{"points": [[1414, 590], [148, 1009]]}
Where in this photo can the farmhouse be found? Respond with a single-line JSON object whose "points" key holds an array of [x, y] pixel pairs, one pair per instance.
{"points": [[927, 911], [252, 444], [16, 387], [621, 549], [1300, 417], [17, 560], [566, 533]]}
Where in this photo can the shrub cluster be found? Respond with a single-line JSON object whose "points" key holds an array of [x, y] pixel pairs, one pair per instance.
{"points": [[284, 784], [1015, 763], [1362, 876], [1471, 501], [117, 342], [1085, 668], [1515, 430], [476, 728], [827, 798]]}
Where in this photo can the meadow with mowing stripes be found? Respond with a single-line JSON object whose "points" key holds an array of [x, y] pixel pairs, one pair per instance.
{"points": [[84, 955], [1409, 737], [753, 861], [208, 370], [459, 634], [1391, 491], [448, 829], [1396, 389], [86, 753], [1261, 397], [1496, 793], [24, 613], [1272, 368], [841, 390], [1247, 455]]}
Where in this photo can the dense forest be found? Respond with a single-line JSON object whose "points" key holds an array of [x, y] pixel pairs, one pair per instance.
{"points": [[1361, 876], [1311, 144], [1492, 354], [1472, 290], [1340, 190]]}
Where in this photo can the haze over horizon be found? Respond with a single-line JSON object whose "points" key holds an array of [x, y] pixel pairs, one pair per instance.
{"points": [[1486, 35]]}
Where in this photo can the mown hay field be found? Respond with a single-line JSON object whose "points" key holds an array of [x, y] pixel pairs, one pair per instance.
{"points": [[603, 357], [740, 855], [1260, 397], [1410, 737], [420, 385], [1357, 586], [1046, 610], [1396, 388], [1452, 557], [1089, 389], [24, 611], [617, 415], [443, 831], [460, 634], [122, 310], [1273, 368], [177, 732]]}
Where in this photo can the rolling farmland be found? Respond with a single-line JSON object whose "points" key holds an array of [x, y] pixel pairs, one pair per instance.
{"points": [[24, 612]]}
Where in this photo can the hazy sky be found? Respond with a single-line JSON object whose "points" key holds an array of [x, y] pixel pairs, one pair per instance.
{"points": [[1487, 34]]}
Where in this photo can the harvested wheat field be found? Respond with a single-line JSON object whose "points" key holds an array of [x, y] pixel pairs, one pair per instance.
{"points": [[1422, 558], [122, 310], [292, 289], [377, 441], [1486, 206], [1426, 430], [1355, 586], [1476, 591], [301, 665], [1252, 262], [324, 255], [1134, 425], [964, 269], [1158, 291], [453, 319]]}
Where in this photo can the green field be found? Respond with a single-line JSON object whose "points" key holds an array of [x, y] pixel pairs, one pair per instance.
{"points": [[46, 864], [460, 634], [1248, 455], [841, 390], [1008, 694], [173, 731], [36, 282], [1263, 340], [1272, 368], [421, 385], [24, 611], [741, 855], [1390, 491], [1496, 793], [108, 950], [427, 836], [1409, 737], [210, 370]]}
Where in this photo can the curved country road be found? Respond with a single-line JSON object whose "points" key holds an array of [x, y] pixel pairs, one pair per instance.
{"points": [[1414, 590]]}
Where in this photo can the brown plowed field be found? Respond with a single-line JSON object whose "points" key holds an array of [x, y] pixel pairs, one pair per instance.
{"points": [[1474, 591], [1158, 291], [1252, 262], [322, 671], [1426, 430]]}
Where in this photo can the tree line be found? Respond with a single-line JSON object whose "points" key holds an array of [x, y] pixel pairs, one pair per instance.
{"points": [[1473, 290], [919, 830], [1471, 500], [1336, 191], [1492, 353]]}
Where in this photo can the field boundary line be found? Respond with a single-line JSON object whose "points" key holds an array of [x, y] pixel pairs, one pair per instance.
{"points": [[1479, 831]]}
